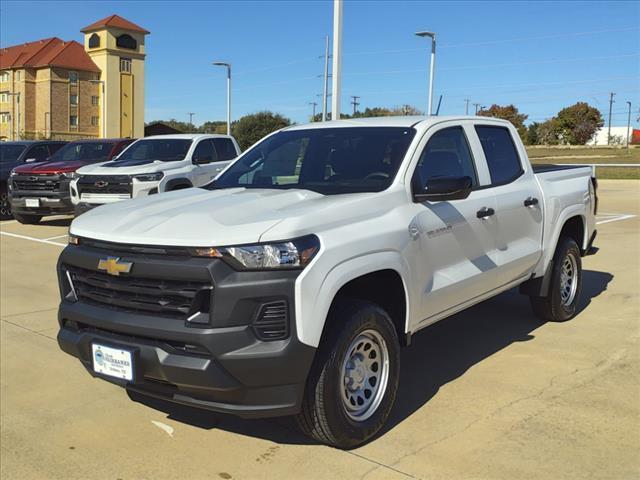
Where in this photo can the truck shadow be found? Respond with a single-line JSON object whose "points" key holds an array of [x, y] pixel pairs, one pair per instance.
{"points": [[438, 354], [56, 221]]}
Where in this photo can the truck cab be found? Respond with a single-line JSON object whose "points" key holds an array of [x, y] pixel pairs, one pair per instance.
{"points": [[153, 165], [288, 285]]}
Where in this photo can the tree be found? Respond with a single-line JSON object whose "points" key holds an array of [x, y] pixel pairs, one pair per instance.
{"points": [[548, 132], [251, 128], [510, 113], [578, 123], [531, 137], [213, 127]]}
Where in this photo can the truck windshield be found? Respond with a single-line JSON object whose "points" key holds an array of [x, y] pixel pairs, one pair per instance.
{"points": [[83, 151], [165, 150], [10, 153], [324, 160]]}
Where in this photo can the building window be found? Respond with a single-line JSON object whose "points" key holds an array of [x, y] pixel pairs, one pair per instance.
{"points": [[94, 41], [18, 75], [125, 65], [95, 100], [4, 77], [5, 117], [73, 77], [73, 121], [126, 41], [73, 99], [95, 121], [4, 97]]}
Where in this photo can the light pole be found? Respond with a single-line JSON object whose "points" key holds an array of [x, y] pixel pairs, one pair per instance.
{"points": [[628, 124], [431, 35], [325, 86], [16, 129], [313, 116], [228, 65], [103, 101]]}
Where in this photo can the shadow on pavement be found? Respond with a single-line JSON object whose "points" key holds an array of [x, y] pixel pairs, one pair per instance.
{"points": [[438, 354], [56, 222]]}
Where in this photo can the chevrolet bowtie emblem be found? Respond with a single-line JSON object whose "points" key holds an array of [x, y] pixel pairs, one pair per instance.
{"points": [[113, 266]]}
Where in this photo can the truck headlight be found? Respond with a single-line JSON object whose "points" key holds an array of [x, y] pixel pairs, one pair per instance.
{"points": [[291, 254], [13, 174], [69, 175], [149, 177]]}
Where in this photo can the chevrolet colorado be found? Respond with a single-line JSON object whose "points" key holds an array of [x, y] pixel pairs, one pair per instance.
{"points": [[42, 188], [288, 285], [153, 165]]}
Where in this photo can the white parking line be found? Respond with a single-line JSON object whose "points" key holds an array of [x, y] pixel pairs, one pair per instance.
{"points": [[39, 240], [59, 236], [613, 217]]}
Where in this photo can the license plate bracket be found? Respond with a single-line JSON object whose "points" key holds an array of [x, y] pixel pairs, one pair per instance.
{"points": [[113, 361], [32, 202]]}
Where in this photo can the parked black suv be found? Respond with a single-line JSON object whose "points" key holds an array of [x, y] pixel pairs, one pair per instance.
{"points": [[14, 154]]}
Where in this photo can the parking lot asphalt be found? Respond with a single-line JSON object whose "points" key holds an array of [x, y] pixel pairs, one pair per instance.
{"points": [[491, 393]]}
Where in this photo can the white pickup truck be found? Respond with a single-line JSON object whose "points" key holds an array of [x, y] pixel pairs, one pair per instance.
{"points": [[153, 165], [288, 285]]}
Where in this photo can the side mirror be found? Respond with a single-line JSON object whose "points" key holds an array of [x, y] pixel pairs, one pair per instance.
{"points": [[442, 189]]}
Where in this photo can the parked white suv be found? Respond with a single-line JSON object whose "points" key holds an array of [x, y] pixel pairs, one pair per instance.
{"points": [[288, 285], [153, 165]]}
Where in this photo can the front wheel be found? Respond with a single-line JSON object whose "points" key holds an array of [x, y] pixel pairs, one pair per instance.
{"points": [[5, 206], [27, 219], [353, 383], [561, 302]]}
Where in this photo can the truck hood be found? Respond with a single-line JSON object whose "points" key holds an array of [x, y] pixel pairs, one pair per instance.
{"points": [[49, 167], [129, 167], [197, 217]]}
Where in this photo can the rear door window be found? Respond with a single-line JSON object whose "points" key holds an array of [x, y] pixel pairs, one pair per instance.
{"points": [[225, 148], [205, 151], [501, 154]]}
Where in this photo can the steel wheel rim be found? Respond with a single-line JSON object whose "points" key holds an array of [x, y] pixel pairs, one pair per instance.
{"points": [[5, 207], [364, 375], [568, 279]]}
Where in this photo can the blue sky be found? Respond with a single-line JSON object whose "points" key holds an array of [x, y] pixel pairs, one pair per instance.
{"points": [[540, 56]]}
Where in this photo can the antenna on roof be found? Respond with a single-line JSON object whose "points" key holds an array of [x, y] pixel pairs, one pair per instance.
{"points": [[439, 102]]}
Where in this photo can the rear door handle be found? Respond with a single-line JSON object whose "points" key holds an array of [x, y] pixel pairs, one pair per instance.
{"points": [[485, 212], [530, 202]]}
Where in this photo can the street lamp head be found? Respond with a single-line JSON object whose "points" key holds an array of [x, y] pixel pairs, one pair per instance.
{"points": [[426, 34], [222, 64]]}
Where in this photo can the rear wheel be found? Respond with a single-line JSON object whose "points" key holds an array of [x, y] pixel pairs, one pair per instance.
{"points": [[5, 206], [561, 303], [27, 219], [353, 383]]}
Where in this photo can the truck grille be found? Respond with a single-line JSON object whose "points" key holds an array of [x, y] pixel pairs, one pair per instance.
{"points": [[37, 183], [104, 184], [170, 298]]}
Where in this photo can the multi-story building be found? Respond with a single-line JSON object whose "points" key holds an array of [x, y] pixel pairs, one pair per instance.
{"points": [[66, 90]]}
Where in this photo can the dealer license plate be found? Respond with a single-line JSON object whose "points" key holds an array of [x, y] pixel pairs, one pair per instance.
{"points": [[31, 202], [114, 362]]}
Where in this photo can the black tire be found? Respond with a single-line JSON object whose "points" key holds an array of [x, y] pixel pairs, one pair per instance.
{"points": [[553, 307], [324, 416], [5, 205], [27, 219]]}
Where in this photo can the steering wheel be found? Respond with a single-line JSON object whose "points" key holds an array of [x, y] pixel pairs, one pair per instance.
{"points": [[380, 175]]}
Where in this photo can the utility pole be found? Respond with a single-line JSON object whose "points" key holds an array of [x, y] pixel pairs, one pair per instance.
{"points": [[355, 103], [325, 88], [313, 115], [466, 106], [476, 105], [628, 124], [611, 102], [336, 72], [191, 114]]}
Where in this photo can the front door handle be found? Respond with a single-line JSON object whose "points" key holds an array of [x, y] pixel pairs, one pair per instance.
{"points": [[530, 202], [485, 212]]}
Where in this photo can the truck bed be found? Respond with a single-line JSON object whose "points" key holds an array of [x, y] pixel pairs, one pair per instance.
{"points": [[550, 167]]}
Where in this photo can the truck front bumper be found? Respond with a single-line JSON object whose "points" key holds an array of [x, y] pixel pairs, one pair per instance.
{"points": [[49, 192], [221, 365]]}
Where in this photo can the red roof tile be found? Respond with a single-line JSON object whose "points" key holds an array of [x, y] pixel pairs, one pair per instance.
{"points": [[115, 21], [47, 52]]}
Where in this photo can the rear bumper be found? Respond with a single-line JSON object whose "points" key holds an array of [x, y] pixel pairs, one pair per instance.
{"points": [[222, 366]]}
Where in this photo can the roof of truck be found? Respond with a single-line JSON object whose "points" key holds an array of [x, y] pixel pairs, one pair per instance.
{"points": [[406, 121], [186, 136]]}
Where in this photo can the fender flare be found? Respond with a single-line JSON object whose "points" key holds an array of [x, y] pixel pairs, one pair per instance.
{"points": [[311, 316]]}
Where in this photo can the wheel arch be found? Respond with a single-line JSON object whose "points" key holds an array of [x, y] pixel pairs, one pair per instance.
{"points": [[380, 278], [177, 184]]}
